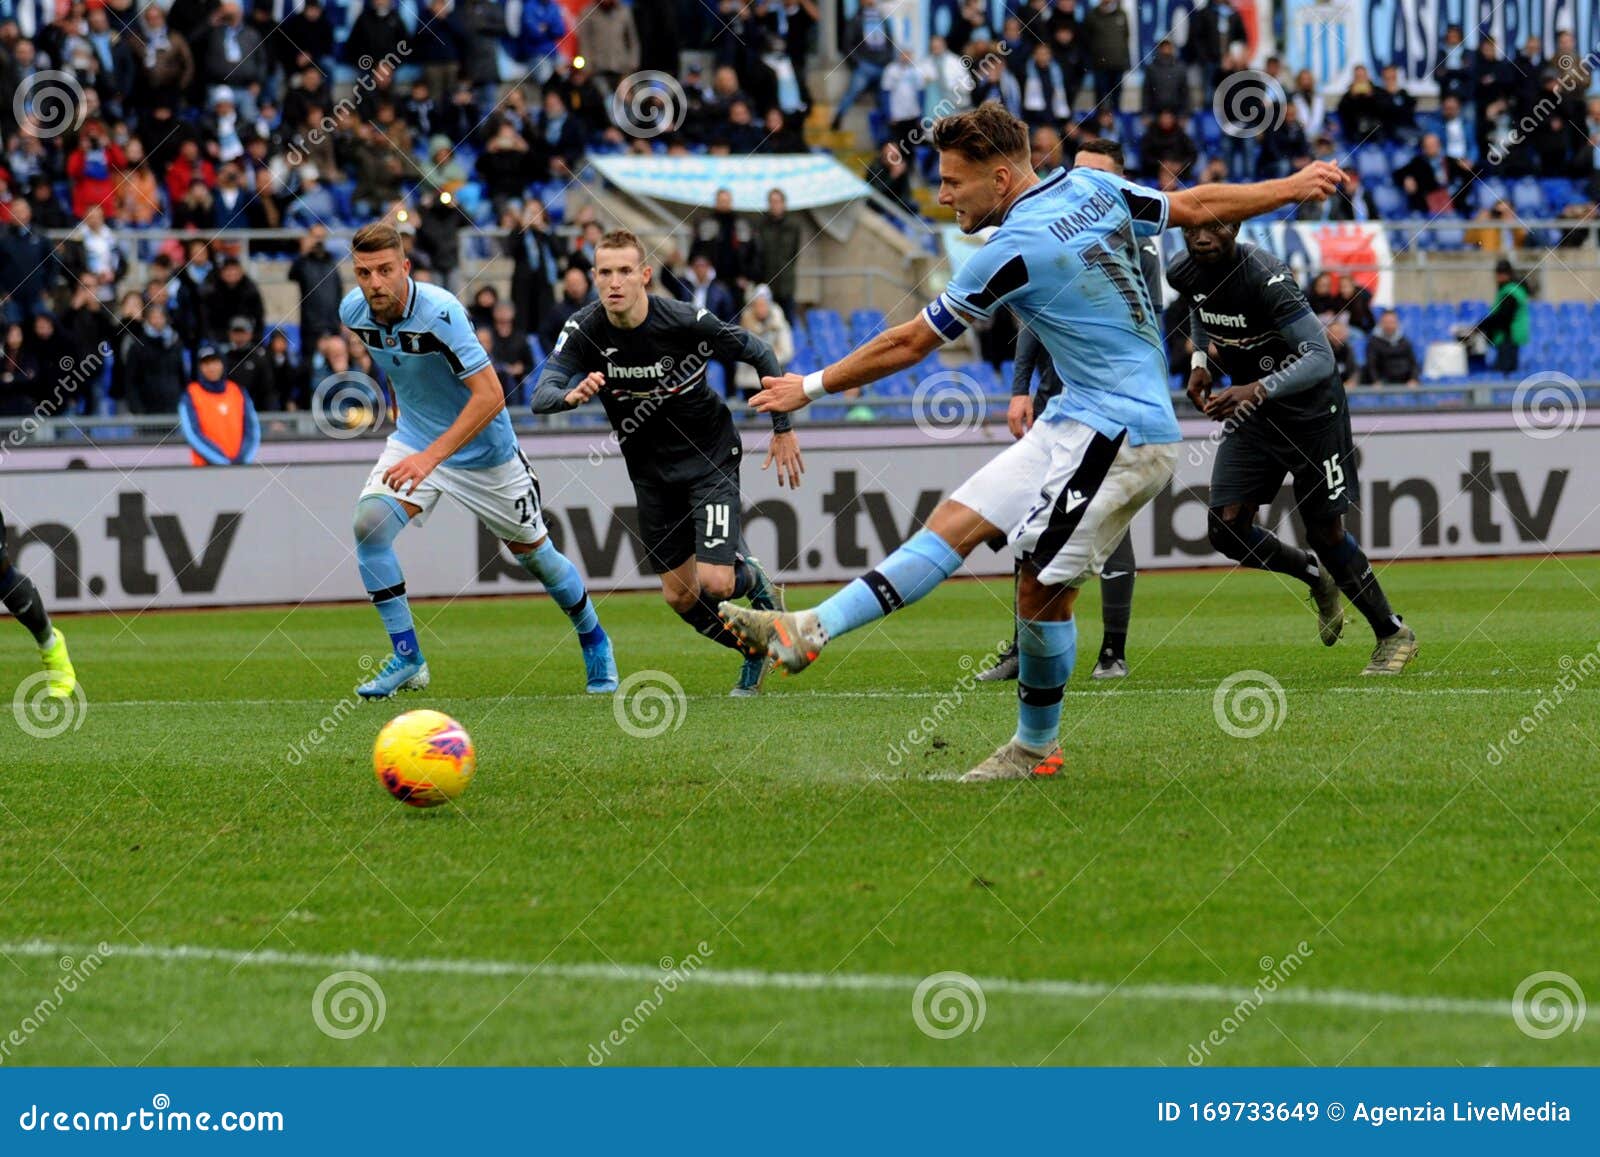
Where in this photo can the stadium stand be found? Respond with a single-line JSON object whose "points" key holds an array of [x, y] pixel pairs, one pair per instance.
{"points": [[168, 167]]}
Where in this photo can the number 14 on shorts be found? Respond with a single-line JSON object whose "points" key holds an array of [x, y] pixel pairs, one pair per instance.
{"points": [[717, 522]]}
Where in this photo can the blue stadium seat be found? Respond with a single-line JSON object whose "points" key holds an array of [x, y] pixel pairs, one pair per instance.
{"points": [[1490, 190], [1373, 167], [1390, 200], [897, 385], [823, 320], [1527, 198], [983, 376], [1559, 192], [865, 323]]}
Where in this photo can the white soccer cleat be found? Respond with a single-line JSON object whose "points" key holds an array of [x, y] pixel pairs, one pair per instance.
{"points": [[1014, 761], [793, 640]]}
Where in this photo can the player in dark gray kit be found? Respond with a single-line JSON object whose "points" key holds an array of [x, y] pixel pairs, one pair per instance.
{"points": [[645, 358], [1120, 569], [22, 599], [1284, 414]]}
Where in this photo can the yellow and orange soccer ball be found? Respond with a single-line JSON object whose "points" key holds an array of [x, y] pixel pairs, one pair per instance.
{"points": [[424, 758]]}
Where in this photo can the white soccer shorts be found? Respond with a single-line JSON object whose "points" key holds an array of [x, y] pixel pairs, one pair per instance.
{"points": [[1064, 495], [505, 498]]}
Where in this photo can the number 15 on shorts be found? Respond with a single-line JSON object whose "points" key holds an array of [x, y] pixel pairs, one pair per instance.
{"points": [[1335, 475], [717, 520]]}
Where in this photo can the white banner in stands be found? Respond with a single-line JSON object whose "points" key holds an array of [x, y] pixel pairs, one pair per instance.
{"points": [[1332, 38], [178, 536], [807, 179]]}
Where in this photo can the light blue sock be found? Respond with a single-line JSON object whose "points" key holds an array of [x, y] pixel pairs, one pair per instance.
{"points": [[378, 520], [1046, 653], [924, 562], [565, 584]]}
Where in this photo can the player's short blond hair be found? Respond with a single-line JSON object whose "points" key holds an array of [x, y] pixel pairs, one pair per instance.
{"points": [[376, 237], [621, 239]]}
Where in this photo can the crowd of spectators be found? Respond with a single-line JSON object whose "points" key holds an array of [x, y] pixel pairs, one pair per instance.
{"points": [[1061, 66], [198, 117]]}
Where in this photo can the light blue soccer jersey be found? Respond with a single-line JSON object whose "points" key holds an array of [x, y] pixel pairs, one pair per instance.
{"points": [[1066, 259], [426, 354]]}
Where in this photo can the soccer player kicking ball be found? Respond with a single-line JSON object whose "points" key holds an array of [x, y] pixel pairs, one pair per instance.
{"points": [[1120, 569], [1065, 258], [22, 599], [645, 358], [1293, 420], [453, 437]]}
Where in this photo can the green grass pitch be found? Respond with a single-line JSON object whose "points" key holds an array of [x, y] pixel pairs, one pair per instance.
{"points": [[815, 843]]}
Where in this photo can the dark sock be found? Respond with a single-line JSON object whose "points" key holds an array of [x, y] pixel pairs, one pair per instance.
{"points": [[1116, 604], [22, 600], [744, 579], [703, 618], [1269, 552], [1112, 646], [1351, 570]]}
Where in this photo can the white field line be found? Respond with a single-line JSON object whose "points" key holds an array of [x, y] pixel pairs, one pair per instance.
{"points": [[1386, 688], [749, 978]]}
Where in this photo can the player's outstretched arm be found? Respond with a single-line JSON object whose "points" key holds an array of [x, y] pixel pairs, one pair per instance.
{"points": [[562, 384], [1223, 203], [893, 350], [739, 343], [734, 341]]}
